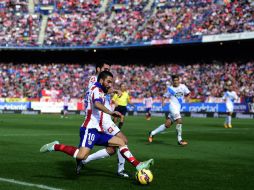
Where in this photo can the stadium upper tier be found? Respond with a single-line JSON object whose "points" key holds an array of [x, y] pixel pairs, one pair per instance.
{"points": [[206, 79], [105, 23]]}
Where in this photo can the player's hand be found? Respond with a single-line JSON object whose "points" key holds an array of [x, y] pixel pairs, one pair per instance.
{"points": [[116, 114]]}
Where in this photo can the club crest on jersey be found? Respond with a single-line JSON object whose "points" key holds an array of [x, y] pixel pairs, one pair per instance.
{"points": [[110, 129], [89, 142]]}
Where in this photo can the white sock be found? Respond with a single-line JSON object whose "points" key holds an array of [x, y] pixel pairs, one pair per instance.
{"points": [[229, 119], [179, 132], [226, 120], [97, 155], [121, 161], [158, 129]]}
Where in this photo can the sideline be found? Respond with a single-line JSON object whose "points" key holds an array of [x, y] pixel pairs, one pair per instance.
{"points": [[28, 184]]}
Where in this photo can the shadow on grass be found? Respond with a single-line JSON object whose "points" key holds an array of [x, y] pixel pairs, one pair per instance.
{"points": [[68, 172], [158, 142]]}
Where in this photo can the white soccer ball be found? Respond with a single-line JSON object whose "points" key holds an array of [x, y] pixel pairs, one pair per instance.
{"points": [[144, 176]]}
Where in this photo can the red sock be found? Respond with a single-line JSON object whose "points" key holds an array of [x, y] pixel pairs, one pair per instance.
{"points": [[70, 150], [125, 152]]}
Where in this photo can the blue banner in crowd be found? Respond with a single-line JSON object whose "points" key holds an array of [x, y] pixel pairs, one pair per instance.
{"points": [[191, 107], [15, 105]]}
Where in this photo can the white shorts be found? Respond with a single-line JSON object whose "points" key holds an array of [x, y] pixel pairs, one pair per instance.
{"points": [[174, 112], [229, 107], [110, 127]]}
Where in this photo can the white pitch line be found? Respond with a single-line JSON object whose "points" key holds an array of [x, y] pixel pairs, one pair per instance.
{"points": [[36, 135], [28, 184]]}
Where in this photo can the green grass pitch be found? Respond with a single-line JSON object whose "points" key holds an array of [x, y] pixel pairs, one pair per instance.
{"points": [[216, 158]]}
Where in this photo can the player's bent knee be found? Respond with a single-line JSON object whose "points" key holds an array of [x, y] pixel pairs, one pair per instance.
{"points": [[179, 121], [83, 153], [116, 141], [168, 123], [123, 137]]}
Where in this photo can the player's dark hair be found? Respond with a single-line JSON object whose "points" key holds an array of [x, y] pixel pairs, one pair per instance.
{"points": [[175, 77], [103, 75], [100, 64]]}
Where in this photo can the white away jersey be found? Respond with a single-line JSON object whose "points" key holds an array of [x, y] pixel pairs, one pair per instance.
{"points": [[176, 94], [230, 97]]}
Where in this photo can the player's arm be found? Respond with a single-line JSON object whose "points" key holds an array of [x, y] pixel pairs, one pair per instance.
{"points": [[187, 97], [102, 108], [224, 97], [186, 93]]}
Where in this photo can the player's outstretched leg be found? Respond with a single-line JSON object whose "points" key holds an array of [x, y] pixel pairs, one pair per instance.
{"points": [[126, 153], [156, 131], [55, 146], [145, 164], [130, 158], [49, 147]]}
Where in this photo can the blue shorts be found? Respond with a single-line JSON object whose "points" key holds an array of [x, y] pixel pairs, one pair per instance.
{"points": [[91, 137], [148, 110], [65, 108]]}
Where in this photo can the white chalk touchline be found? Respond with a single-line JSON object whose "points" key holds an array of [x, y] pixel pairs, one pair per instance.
{"points": [[28, 184], [35, 135]]}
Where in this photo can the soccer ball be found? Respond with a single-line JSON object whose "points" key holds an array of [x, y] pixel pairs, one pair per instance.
{"points": [[144, 176]]}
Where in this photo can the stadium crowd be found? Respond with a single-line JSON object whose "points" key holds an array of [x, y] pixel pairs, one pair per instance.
{"points": [[79, 22], [17, 27], [203, 79]]}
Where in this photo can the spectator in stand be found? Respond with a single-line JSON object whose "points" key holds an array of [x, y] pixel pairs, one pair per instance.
{"points": [[28, 80]]}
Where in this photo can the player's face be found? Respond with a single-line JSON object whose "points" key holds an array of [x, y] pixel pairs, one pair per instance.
{"points": [[123, 87], [105, 67], [107, 83], [176, 82]]}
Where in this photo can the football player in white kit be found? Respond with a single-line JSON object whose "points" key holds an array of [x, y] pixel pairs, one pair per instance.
{"points": [[229, 97], [109, 127], [176, 95]]}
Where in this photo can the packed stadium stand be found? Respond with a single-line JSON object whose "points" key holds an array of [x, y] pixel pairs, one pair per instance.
{"points": [[79, 23], [204, 79]]}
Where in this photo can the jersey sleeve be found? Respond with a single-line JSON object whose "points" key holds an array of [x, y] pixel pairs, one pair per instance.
{"points": [[186, 90], [97, 95], [166, 95], [236, 97], [224, 96]]}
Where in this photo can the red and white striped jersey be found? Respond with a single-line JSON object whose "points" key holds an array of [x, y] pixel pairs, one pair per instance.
{"points": [[148, 102], [66, 100], [94, 116]]}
